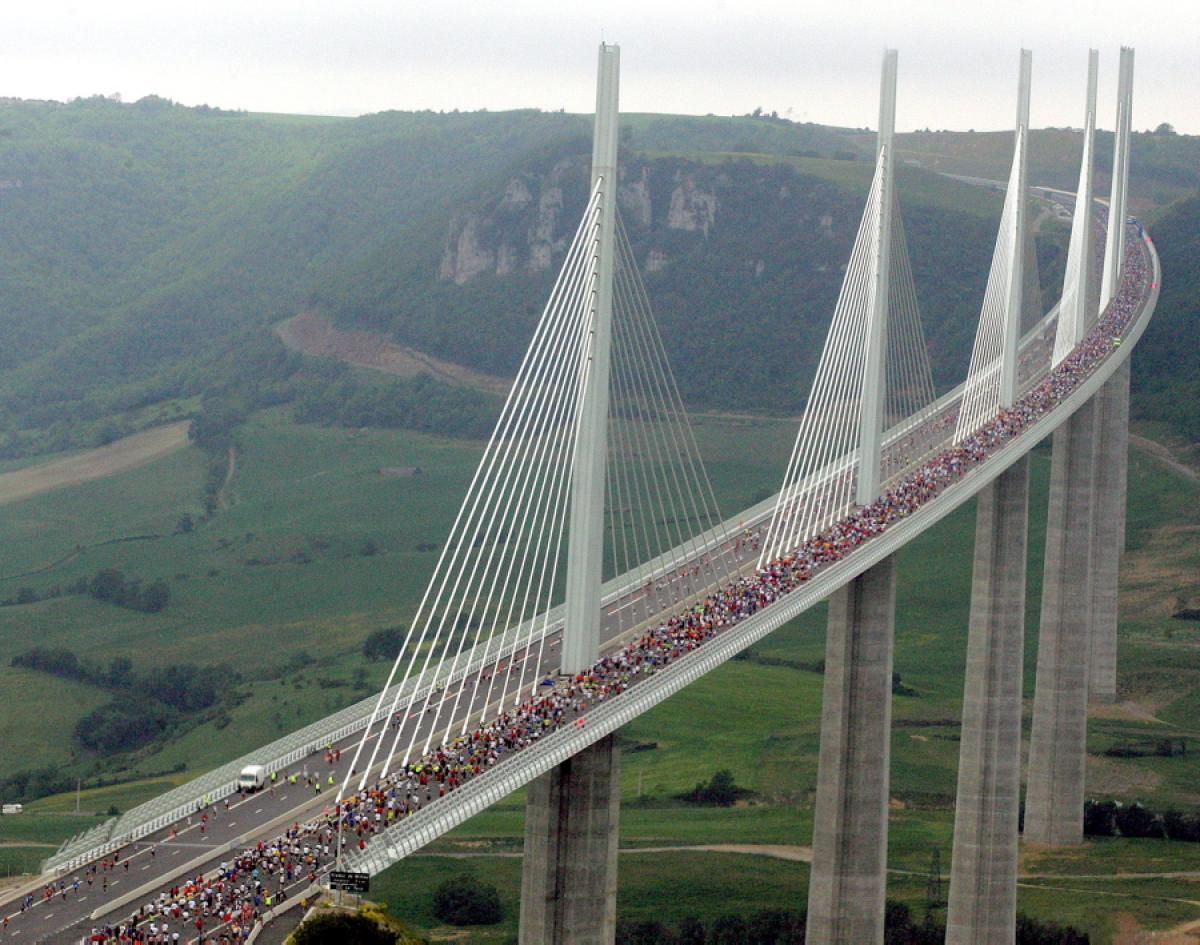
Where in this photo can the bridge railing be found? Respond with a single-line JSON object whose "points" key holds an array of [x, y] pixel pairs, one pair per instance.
{"points": [[215, 785], [416, 831]]}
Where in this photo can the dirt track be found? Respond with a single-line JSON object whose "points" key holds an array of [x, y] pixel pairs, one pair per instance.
{"points": [[312, 334], [118, 456]]}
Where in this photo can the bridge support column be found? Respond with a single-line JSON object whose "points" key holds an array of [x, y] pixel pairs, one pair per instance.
{"points": [[1108, 525], [1058, 741], [849, 878], [983, 873], [569, 872]]}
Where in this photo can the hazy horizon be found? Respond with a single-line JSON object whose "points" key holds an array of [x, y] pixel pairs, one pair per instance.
{"points": [[957, 71]]}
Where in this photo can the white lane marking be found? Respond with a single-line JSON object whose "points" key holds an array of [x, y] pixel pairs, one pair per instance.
{"points": [[233, 823], [259, 811], [146, 867], [632, 601]]}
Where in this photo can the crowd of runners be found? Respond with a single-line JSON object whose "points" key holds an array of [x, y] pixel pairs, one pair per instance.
{"points": [[223, 906]]}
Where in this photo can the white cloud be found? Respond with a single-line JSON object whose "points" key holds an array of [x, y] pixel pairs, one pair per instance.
{"points": [[957, 64]]}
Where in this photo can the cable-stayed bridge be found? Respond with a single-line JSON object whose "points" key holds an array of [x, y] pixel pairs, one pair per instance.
{"points": [[522, 663]]}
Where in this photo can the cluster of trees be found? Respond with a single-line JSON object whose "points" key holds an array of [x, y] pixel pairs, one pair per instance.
{"points": [[383, 644], [147, 703], [785, 927], [1113, 819], [771, 262], [465, 900], [33, 783], [418, 403], [352, 928], [111, 586], [31, 595], [720, 791]]}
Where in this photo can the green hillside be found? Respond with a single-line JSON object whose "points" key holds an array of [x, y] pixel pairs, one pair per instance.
{"points": [[143, 246], [1166, 368], [147, 251]]}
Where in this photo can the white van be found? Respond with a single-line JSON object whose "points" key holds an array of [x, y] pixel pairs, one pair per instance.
{"points": [[11, 809], [252, 778]]}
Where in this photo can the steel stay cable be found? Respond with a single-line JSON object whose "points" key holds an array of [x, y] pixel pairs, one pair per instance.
{"points": [[676, 416], [814, 425], [536, 478], [693, 452], [560, 515], [546, 394], [578, 356], [543, 325], [779, 530], [532, 364], [539, 390], [831, 432], [539, 443], [582, 359], [622, 459], [838, 446], [651, 424], [986, 344], [562, 426], [527, 614], [638, 435]]}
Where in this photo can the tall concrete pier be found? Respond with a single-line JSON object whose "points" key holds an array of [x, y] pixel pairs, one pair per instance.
{"points": [[569, 871], [849, 878], [983, 891], [1110, 458], [1058, 741]]}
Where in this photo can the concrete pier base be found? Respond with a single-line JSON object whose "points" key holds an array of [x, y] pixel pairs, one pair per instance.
{"points": [[983, 873], [1058, 740], [569, 871], [1111, 458], [848, 878]]}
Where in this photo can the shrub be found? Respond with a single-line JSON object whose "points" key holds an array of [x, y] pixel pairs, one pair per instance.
{"points": [[721, 791], [340, 928], [464, 900]]}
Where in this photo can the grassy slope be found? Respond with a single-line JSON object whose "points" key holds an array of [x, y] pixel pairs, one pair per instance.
{"points": [[299, 487]]}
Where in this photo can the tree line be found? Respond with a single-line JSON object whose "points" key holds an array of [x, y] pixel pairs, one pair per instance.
{"points": [[1113, 819], [147, 704], [787, 927], [109, 585]]}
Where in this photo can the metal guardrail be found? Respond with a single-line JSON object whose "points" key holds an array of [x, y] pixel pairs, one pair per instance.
{"points": [[443, 814], [221, 782]]}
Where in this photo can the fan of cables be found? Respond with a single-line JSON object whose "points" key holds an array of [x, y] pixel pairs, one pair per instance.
{"points": [[491, 607]]}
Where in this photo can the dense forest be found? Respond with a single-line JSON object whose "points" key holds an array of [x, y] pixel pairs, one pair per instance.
{"points": [[1166, 367], [147, 249]]}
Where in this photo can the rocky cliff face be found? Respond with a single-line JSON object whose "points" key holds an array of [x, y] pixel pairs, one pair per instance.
{"points": [[526, 226]]}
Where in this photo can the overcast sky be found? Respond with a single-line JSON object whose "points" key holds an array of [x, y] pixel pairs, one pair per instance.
{"points": [[809, 62]]}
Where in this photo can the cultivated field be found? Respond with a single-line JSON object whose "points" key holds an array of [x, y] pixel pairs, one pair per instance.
{"points": [[284, 571]]}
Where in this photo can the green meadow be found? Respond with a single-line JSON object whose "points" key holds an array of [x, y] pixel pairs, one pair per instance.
{"points": [[283, 572]]}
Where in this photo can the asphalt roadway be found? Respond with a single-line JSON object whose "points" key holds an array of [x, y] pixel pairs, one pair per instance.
{"points": [[200, 843], [137, 873]]}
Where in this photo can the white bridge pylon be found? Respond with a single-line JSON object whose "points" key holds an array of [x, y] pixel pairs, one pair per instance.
{"points": [[1075, 310], [992, 376], [593, 420], [873, 372]]}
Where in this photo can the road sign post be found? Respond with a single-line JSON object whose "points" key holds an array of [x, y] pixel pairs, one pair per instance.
{"points": [[349, 881]]}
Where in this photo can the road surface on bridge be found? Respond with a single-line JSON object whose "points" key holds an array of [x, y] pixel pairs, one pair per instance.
{"points": [[199, 845]]}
